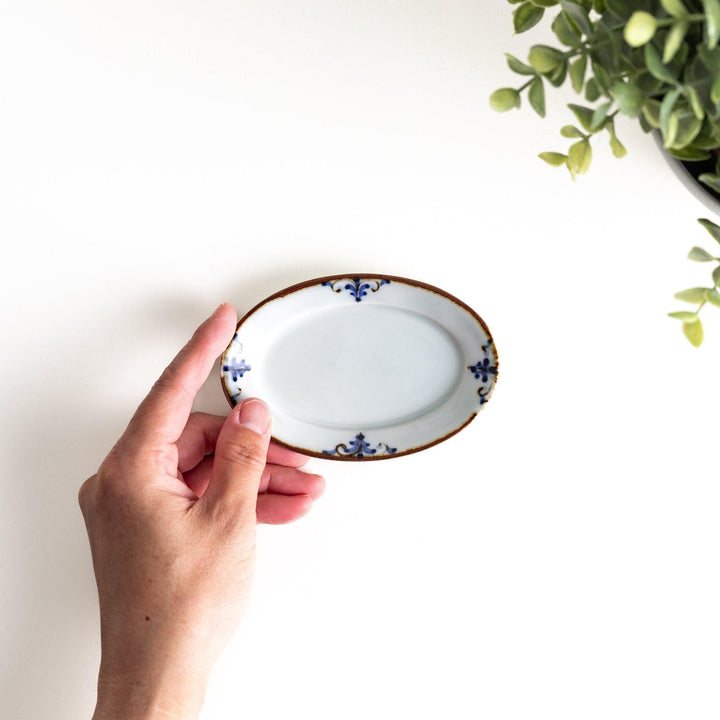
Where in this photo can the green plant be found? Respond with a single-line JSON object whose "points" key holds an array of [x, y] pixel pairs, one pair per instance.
{"points": [[654, 60], [700, 296]]}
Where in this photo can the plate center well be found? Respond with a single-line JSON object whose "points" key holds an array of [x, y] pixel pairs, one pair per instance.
{"points": [[361, 366]]}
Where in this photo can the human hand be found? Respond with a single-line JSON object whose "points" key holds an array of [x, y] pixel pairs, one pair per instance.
{"points": [[171, 517]]}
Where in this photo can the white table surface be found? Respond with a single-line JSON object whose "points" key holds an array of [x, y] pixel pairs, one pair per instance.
{"points": [[558, 558]]}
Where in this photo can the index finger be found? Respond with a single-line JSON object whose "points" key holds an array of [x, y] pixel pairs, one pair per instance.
{"points": [[200, 435], [163, 414]]}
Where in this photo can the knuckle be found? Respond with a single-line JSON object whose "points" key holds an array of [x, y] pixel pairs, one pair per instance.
{"points": [[109, 473], [109, 485], [98, 495], [115, 459], [84, 493]]}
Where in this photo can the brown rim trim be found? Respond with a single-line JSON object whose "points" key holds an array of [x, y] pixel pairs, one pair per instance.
{"points": [[367, 276]]}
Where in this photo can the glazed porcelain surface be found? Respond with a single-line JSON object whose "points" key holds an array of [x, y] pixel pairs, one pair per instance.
{"points": [[362, 367]]}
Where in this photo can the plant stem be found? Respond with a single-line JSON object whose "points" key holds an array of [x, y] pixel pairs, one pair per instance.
{"points": [[520, 89]]}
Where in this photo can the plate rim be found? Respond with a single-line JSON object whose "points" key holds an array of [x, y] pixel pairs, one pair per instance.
{"points": [[290, 289]]}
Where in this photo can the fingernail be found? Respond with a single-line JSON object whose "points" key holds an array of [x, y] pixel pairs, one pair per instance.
{"points": [[254, 415]]}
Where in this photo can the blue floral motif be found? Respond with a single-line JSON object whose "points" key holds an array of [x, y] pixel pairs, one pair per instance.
{"points": [[360, 448], [236, 367], [483, 370], [357, 287]]}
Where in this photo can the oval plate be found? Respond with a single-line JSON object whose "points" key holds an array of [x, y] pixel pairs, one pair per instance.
{"points": [[364, 367]]}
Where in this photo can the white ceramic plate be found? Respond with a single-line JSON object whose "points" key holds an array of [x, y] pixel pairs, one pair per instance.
{"points": [[362, 367]]}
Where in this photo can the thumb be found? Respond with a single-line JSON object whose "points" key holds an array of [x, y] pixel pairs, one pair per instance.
{"points": [[240, 457]]}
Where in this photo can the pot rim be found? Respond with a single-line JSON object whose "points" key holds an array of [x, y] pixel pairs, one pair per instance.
{"points": [[709, 199]]}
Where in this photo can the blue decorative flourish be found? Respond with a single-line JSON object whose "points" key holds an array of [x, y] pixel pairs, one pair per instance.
{"points": [[483, 370], [357, 287], [360, 448], [236, 367]]}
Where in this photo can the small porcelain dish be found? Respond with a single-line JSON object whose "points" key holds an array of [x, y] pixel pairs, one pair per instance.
{"points": [[362, 367]]}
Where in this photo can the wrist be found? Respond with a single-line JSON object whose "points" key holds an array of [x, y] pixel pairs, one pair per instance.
{"points": [[152, 668], [163, 691], [149, 678]]}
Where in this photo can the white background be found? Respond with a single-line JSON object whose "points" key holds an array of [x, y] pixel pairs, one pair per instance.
{"points": [[558, 558]]}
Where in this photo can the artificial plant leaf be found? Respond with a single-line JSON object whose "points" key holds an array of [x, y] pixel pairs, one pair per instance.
{"points": [[672, 130], [715, 90], [557, 78], [628, 97], [713, 295], [623, 9], [655, 65], [674, 39], [608, 48], [599, 6], [584, 116], [505, 99], [565, 34], [649, 84], [685, 126], [544, 3], [545, 59], [618, 149], [707, 138], [525, 16], [711, 60], [712, 22], [681, 59], [536, 96], [712, 180], [599, 116], [666, 107], [674, 8], [692, 295], [694, 332], [695, 102], [577, 15], [580, 157], [684, 315], [689, 154], [577, 73], [699, 255], [640, 28], [553, 158], [602, 77], [570, 131], [592, 91], [651, 111], [711, 227], [517, 66]]}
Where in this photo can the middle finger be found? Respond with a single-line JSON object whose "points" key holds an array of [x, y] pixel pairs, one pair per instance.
{"points": [[200, 435]]}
